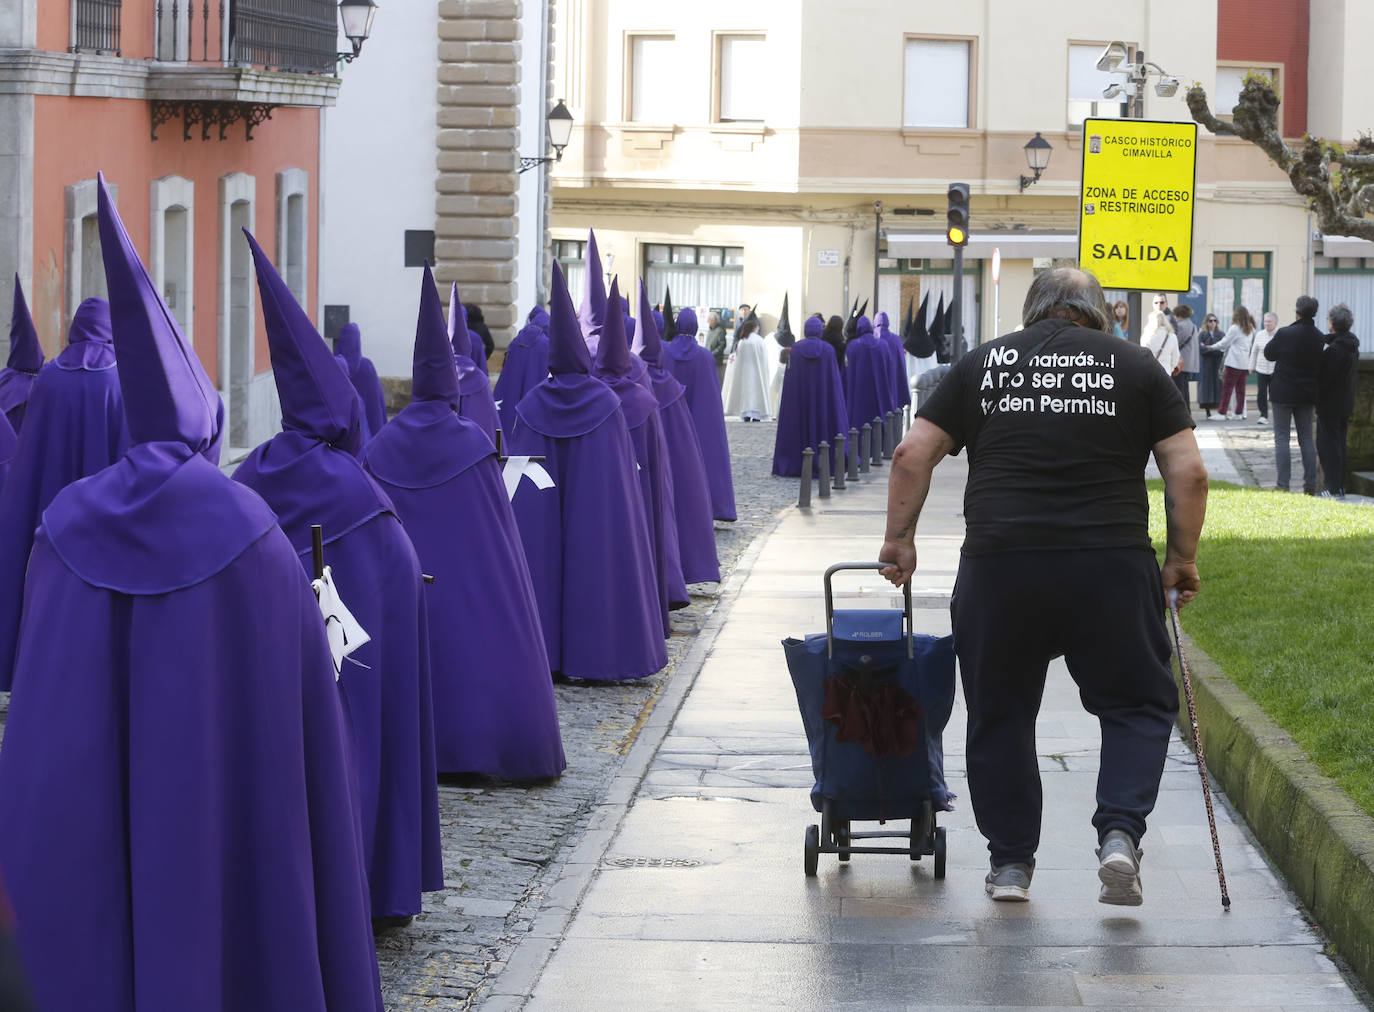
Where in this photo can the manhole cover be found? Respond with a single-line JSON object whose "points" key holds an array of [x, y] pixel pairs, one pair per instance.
{"points": [[653, 862]]}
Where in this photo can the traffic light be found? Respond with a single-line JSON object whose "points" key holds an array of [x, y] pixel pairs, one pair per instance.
{"points": [[956, 227]]}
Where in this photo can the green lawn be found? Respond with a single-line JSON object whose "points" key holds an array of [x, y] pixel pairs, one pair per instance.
{"points": [[1287, 611]]}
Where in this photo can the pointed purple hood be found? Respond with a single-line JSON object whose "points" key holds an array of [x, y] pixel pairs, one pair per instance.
{"points": [[90, 340], [613, 353], [168, 398], [433, 374], [26, 354], [458, 325], [317, 398], [349, 346], [647, 343], [592, 312], [570, 402]]}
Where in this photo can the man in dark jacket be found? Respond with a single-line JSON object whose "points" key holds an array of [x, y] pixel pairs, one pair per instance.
{"points": [[1336, 397], [1296, 351]]}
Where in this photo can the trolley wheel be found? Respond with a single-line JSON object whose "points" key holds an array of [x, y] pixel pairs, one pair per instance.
{"points": [[842, 838], [812, 851], [940, 852]]}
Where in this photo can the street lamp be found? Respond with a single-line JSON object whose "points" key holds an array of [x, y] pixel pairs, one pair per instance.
{"points": [[559, 126], [357, 18], [1037, 157]]}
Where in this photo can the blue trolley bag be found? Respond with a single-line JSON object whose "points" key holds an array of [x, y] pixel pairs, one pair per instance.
{"points": [[874, 700]]}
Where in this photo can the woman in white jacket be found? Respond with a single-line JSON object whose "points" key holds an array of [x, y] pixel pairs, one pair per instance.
{"points": [[1261, 366], [1236, 365], [1157, 337]]}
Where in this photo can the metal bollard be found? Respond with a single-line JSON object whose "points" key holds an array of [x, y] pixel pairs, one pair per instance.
{"points": [[804, 497], [852, 454], [876, 445], [906, 419], [840, 461], [824, 462], [893, 421], [865, 439], [887, 435]]}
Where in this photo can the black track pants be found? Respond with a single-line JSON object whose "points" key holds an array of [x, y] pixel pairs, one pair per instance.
{"points": [[1103, 611]]}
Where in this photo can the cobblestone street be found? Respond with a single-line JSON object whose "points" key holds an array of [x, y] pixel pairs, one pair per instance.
{"points": [[1251, 448]]}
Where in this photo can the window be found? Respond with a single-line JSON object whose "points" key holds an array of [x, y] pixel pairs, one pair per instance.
{"points": [[1086, 84], [95, 26], [171, 251], [937, 83], [570, 254], [293, 241], [235, 364], [82, 263], [1349, 280], [1230, 81], [703, 277], [741, 84], [1239, 279], [652, 97]]}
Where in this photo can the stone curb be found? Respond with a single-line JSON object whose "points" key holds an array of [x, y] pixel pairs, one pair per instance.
{"points": [[516, 980], [1321, 842]]}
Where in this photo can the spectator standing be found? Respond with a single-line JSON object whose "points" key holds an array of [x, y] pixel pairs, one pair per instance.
{"points": [[717, 340], [1296, 352], [1159, 341], [1121, 319], [1336, 397], [1185, 329], [1209, 365], [1236, 363], [1261, 366], [477, 324]]}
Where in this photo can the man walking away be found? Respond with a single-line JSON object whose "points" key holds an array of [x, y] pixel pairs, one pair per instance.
{"points": [[1057, 561], [1261, 366], [1296, 352], [717, 342], [1336, 397]]}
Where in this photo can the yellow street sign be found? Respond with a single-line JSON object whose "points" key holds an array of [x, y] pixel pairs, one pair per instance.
{"points": [[1135, 214]]}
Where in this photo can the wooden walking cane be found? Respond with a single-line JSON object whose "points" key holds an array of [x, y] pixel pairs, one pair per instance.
{"points": [[1197, 744]]}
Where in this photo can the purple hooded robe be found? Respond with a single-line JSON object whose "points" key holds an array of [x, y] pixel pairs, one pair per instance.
{"points": [[9, 442], [691, 494], [868, 389], [640, 408], [812, 407], [76, 428], [494, 710], [591, 314], [475, 400], [176, 788], [525, 367], [309, 474], [586, 538], [695, 368], [26, 358], [897, 359], [363, 375]]}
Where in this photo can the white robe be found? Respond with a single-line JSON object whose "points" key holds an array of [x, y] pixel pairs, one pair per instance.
{"points": [[745, 390], [776, 371]]}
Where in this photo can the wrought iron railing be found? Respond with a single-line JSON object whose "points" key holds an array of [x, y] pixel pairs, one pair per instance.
{"points": [[97, 26], [291, 35], [298, 36]]}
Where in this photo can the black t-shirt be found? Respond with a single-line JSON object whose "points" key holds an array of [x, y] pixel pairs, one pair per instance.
{"points": [[1057, 438]]}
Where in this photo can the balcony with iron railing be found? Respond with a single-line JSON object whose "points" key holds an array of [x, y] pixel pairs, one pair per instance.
{"points": [[214, 62]]}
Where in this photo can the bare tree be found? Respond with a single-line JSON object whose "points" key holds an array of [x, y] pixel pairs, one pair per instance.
{"points": [[1337, 183]]}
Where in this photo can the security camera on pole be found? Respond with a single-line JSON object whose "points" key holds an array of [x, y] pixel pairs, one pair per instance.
{"points": [[956, 234]]}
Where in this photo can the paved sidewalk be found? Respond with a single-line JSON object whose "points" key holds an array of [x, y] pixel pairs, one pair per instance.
{"points": [[691, 894]]}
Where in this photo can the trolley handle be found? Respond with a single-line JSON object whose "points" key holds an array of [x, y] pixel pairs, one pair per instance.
{"points": [[841, 567]]}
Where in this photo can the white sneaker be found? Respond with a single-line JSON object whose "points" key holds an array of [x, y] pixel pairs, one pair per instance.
{"points": [[1222, 416], [1241, 416], [1262, 420]]}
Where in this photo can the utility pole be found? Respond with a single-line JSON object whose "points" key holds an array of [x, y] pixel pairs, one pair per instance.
{"points": [[877, 249], [956, 234]]}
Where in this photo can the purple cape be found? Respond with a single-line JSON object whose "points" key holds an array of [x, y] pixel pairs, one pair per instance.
{"points": [[897, 357], [494, 710], [194, 838], [695, 368], [77, 417], [586, 538], [308, 475], [9, 442], [525, 367], [812, 407], [868, 388], [640, 410], [691, 497], [363, 375]]}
